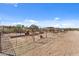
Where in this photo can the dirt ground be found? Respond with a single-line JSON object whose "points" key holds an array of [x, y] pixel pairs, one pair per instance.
{"points": [[60, 44]]}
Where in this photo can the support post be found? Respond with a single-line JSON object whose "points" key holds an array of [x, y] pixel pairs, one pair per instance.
{"points": [[0, 43]]}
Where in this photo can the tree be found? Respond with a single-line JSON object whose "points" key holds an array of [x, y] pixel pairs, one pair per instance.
{"points": [[34, 27], [22, 26], [19, 27]]}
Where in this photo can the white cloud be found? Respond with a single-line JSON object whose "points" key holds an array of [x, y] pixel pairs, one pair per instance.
{"points": [[26, 22], [16, 23], [16, 5], [13, 4], [68, 23], [47, 23], [56, 18], [33, 21], [30, 21], [56, 25], [0, 18]]}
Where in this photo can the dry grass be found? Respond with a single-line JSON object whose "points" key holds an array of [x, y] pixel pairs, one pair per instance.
{"points": [[55, 44]]}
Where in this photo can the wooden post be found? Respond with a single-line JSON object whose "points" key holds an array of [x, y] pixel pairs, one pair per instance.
{"points": [[46, 33], [0, 43], [33, 35], [3, 30]]}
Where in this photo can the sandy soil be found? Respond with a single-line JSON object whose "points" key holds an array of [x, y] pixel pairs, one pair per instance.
{"points": [[61, 44]]}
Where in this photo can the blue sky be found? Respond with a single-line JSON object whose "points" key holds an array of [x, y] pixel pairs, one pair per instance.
{"points": [[41, 14]]}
